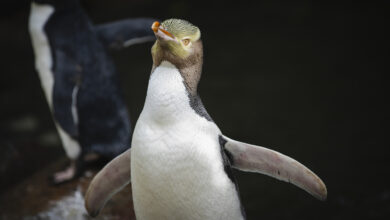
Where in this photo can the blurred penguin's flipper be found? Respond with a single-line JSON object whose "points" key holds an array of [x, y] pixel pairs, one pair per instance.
{"points": [[124, 33], [110, 180], [253, 158]]}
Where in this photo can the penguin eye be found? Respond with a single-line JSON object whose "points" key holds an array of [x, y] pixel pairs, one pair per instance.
{"points": [[186, 41]]}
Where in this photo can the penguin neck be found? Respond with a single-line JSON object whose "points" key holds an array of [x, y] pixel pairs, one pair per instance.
{"points": [[167, 98], [190, 67], [191, 76]]}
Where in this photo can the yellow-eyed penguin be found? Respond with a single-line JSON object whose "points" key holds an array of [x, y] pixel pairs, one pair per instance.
{"points": [[180, 162]]}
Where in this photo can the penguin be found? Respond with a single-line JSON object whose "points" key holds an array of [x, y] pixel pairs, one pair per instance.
{"points": [[180, 163], [80, 81]]}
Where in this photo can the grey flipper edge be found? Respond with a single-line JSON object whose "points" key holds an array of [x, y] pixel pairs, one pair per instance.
{"points": [[252, 158]]}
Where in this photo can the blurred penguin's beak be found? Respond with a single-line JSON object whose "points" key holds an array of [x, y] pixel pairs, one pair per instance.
{"points": [[160, 32]]}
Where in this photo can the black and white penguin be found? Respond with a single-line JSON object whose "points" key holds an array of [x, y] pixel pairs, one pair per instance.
{"points": [[180, 162], [79, 78]]}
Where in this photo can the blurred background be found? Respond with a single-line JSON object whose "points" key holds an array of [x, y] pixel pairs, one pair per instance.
{"points": [[305, 78]]}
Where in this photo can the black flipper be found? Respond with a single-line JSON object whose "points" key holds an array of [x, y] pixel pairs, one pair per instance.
{"points": [[124, 33]]}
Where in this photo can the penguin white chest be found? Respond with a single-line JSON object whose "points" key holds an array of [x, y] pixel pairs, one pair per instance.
{"points": [[176, 164]]}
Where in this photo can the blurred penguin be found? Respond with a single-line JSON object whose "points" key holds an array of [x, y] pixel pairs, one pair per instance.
{"points": [[80, 81]]}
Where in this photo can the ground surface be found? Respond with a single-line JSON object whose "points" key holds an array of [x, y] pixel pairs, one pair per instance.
{"points": [[34, 198]]}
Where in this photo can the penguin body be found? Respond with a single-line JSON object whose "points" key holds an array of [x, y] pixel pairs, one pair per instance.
{"points": [[79, 78], [180, 162], [44, 63], [174, 148]]}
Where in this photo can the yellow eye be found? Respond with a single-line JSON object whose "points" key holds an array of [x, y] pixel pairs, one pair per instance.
{"points": [[186, 41]]}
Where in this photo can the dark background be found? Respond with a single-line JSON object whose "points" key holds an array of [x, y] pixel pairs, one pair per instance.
{"points": [[303, 78]]}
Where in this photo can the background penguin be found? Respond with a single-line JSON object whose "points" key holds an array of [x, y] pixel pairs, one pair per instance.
{"points": [[79, 78], [180, 161]]}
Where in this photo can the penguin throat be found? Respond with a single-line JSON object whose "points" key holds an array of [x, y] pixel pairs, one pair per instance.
{"points": [[190, 67], [166, 97], [170, 93]]}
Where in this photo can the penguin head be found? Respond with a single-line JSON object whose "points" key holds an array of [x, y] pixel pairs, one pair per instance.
{"points": [[178, 41]]}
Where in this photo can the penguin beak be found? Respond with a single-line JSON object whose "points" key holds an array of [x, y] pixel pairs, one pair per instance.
{"points": [[160, 32]]}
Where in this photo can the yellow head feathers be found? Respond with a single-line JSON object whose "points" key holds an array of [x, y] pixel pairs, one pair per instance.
{"points": [[181, 29]]}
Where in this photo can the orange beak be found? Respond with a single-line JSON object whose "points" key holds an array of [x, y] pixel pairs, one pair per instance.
{"points": [[156, 27]]}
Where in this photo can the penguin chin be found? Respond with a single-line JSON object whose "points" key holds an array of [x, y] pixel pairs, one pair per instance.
{"points": [[172, 49], [162, 37], [166, 44]]}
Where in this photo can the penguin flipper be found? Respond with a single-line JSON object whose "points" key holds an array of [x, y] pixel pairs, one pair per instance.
{"points": [[124, 33], [110, 180], [258, 159]]}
